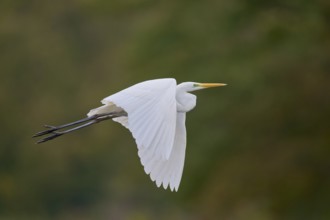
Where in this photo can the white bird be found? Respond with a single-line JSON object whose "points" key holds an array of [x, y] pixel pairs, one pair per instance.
{"points": [[154, 111]]}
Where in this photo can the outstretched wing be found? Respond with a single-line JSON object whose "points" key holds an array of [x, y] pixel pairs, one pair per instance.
{"points": [[168, 172], [151, 114]]}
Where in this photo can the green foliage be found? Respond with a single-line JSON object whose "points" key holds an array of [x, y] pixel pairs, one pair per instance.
{"points": [[257, 149]]}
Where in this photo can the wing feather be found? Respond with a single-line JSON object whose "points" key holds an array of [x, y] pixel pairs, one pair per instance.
{"points": [[150, 134], [146, 104], [146, 121], [168, 172]]}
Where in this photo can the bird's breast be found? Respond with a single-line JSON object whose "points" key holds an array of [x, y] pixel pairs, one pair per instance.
{"points": [[186, 102]]}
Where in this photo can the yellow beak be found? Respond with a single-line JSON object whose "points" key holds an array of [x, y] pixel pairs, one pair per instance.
{"points": [[210, 85]]}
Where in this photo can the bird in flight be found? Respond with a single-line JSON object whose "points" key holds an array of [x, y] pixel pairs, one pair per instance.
{"points": [[154, 111]]}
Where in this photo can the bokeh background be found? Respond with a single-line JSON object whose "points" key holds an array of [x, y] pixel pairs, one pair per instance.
{"points": [[257, 149]]}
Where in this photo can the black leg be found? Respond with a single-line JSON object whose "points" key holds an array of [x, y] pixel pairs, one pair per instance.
{"points": [[55, 132], [56, 128]]}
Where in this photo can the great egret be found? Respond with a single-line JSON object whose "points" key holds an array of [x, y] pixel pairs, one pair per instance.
{"points": [[155, 112]]}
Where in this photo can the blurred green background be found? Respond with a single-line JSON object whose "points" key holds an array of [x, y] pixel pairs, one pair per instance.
{"points": [[257, 149]]}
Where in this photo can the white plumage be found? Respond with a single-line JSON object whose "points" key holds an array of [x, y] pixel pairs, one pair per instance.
{"points": [[151, 110], [152, 120], [156, 113]]}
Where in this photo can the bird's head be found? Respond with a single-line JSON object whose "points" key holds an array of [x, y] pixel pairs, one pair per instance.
{"points": [[193, 86]]}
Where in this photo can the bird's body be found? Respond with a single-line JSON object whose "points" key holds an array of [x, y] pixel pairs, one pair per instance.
{"points": [[155, 111]]}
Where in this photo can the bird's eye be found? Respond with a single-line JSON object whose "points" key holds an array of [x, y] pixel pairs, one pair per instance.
{"points": [[195, 85]]}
